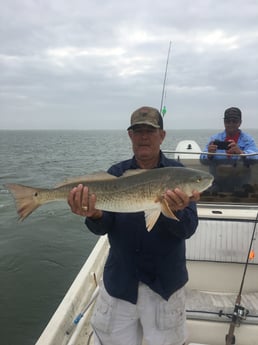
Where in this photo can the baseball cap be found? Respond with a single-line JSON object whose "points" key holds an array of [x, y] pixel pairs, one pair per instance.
{"points": [[146, 116], [232, 112]]}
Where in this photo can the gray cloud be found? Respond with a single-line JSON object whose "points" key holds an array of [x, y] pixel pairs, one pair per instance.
{"points": [[89, 64]]}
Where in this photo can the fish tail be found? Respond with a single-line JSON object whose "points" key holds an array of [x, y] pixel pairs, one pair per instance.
{"points": [[26, 199]]}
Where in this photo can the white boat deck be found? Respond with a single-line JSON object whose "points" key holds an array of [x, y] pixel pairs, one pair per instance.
{"points": [[206, 305]]}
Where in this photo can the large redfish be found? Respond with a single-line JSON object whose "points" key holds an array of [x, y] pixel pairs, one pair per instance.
{"points": [[135, 191]]}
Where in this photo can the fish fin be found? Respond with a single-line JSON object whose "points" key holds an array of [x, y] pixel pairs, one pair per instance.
{"points": [[151, 217], [167, 211], [132, 172], [25, 198], [100, 175]]}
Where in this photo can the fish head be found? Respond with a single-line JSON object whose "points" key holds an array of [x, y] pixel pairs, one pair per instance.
{"points": [[188, 179], [192, 179]]}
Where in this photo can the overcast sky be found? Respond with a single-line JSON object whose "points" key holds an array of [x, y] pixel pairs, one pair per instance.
{"points": [[87, 64]]}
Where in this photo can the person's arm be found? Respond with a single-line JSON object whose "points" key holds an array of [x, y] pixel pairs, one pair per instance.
{"points": [[185, 210], [100, 226], [245, 145], [84, 205], [210, 147], [205, 158], [187, 224], [248, 145]]}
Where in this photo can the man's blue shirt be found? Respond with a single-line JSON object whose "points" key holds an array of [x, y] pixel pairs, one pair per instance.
{"points": [[156, 258], [245, 142]]}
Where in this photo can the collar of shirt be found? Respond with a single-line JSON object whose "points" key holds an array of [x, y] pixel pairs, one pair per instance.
{"points": [[161, 164]]}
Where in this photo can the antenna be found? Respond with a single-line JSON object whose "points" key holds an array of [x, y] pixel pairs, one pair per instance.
{"points": [[163, 109]]}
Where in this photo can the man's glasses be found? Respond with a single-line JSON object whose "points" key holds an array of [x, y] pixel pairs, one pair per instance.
{"points": [[231, 120]]}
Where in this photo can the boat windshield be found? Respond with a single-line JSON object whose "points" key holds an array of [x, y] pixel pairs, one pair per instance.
{"points": [[235, 178]]}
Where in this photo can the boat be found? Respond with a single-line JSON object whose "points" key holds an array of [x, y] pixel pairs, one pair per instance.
{"points": [[222, 261]]}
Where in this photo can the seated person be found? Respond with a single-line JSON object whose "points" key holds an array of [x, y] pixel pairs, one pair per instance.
{"points": [[230, 172]]}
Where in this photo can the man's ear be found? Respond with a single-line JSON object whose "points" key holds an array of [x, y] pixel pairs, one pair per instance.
{"points": [[162, 135], [130, 132]]}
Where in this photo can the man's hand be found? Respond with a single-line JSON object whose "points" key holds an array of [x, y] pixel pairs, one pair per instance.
{"points": [[82, 203], [233, 148], [178, 200]]}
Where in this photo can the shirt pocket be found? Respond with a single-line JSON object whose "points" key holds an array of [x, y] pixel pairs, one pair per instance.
{"points": [[102, 317], [171, 314]]}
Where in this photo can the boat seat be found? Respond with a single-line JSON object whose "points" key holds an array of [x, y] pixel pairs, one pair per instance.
{"points": [[215, 306]]}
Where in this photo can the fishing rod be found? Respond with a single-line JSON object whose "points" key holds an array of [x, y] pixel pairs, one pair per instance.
{"points": [[163, 109], [240, 312]]}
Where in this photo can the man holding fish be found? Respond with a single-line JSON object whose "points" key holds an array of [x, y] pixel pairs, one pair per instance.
{"points": [[142, 293]]}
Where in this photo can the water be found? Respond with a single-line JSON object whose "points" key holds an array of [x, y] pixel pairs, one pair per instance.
{"points": [[40, 257]]}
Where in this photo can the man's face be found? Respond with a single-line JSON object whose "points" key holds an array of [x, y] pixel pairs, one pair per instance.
{"points": [[146, 141], [232, 124]]}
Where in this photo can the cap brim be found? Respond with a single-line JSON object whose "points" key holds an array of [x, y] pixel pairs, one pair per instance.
{"points": [[143, 123], [232, 117]]}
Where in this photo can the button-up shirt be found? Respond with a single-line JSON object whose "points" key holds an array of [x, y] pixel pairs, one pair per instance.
{"points": [[156, 258]]}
